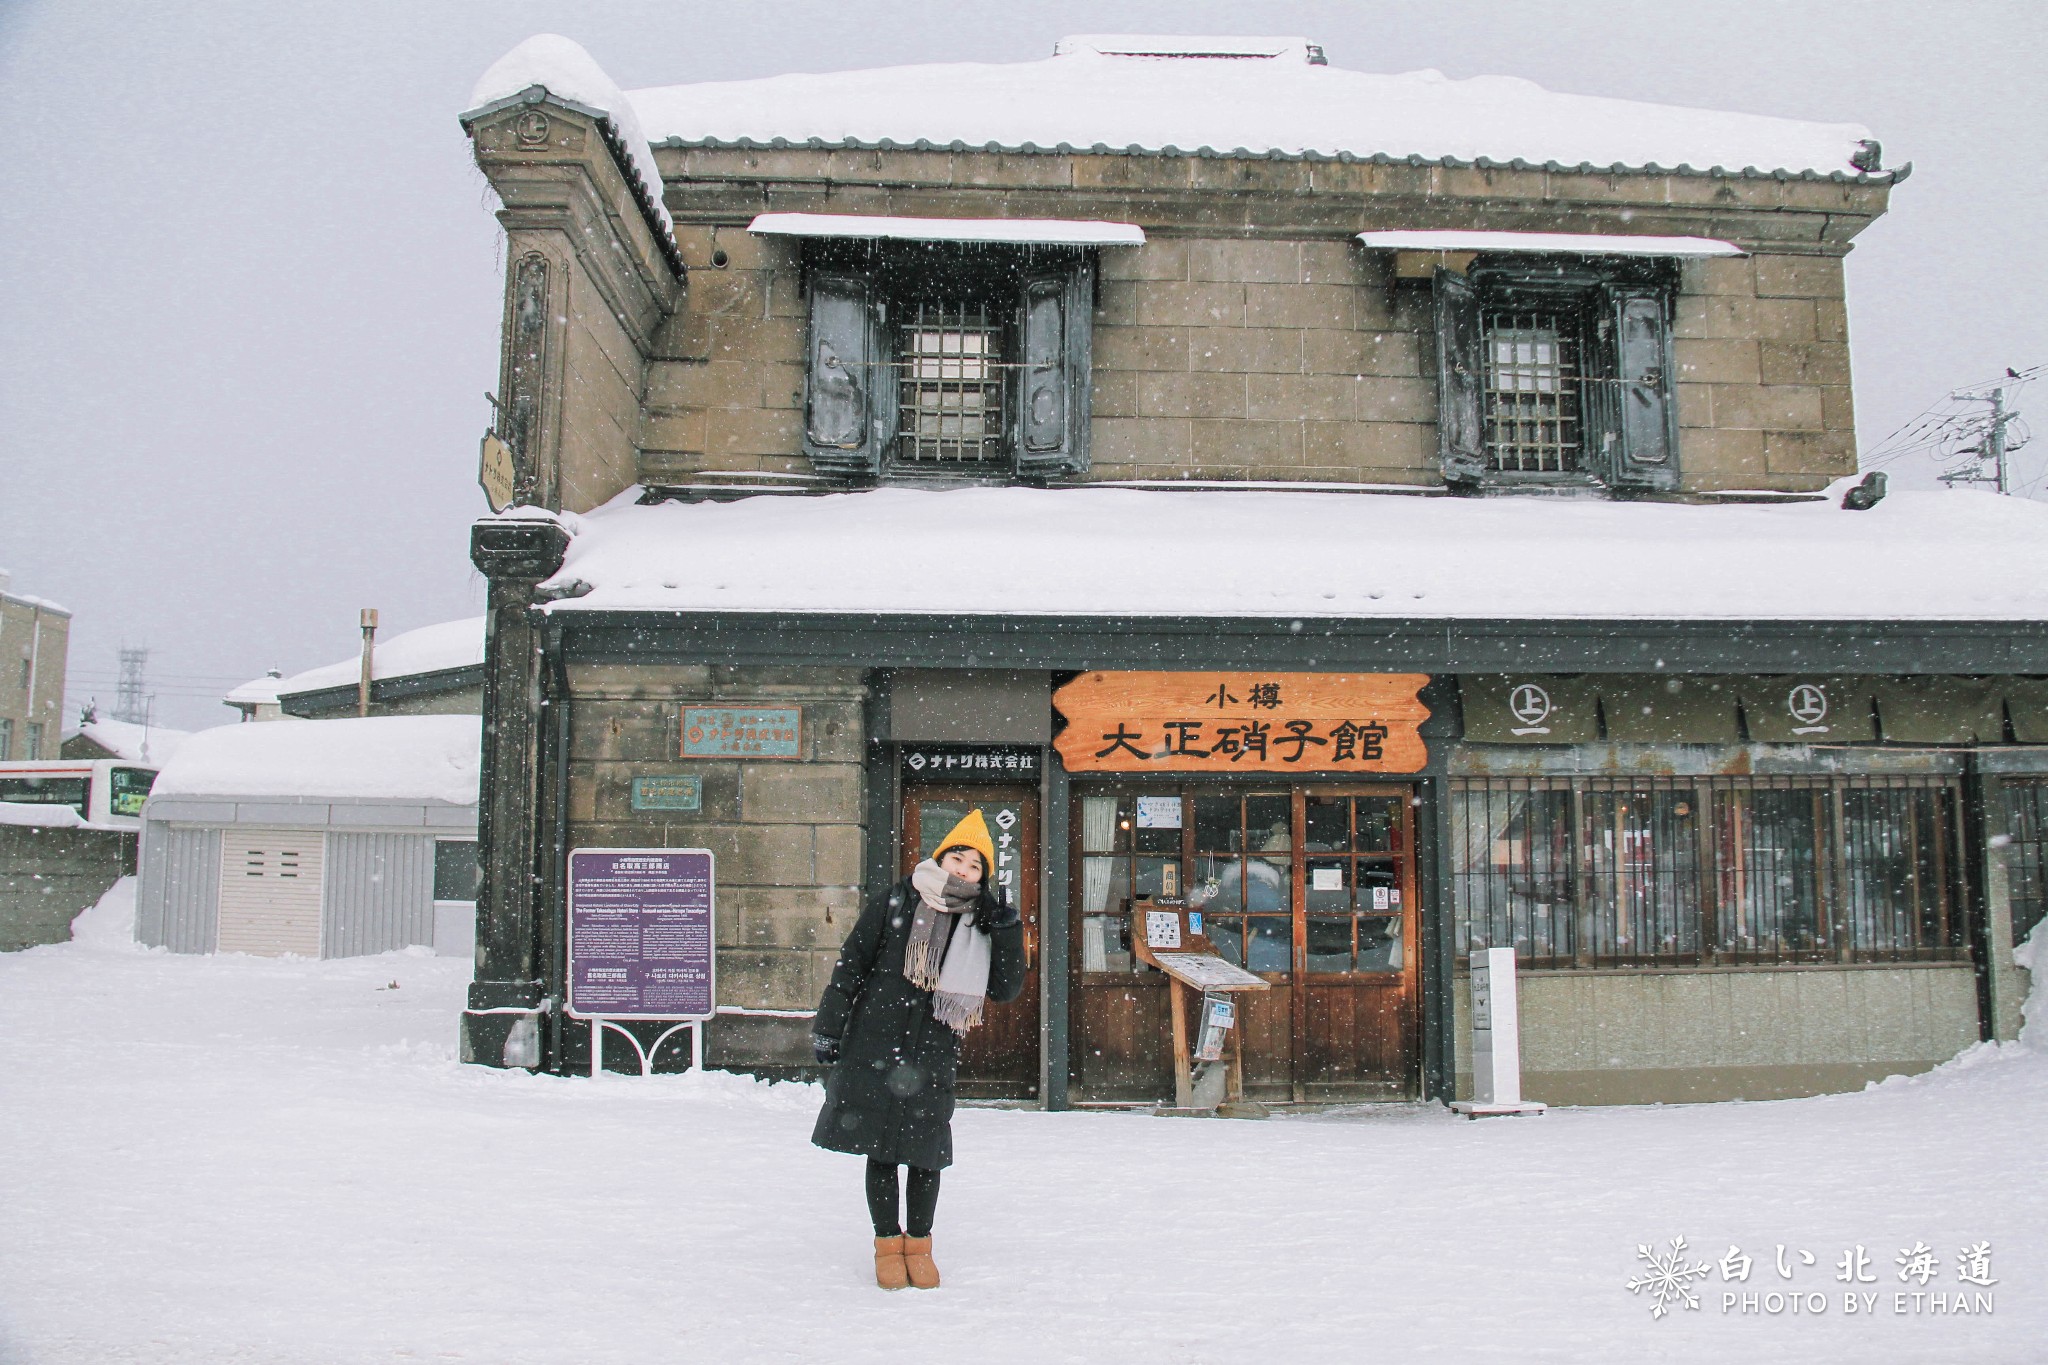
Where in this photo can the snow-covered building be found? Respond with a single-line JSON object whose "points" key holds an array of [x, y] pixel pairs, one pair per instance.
{"points": [[1395, 515], [322, 839], [35, 638], [97, 737], [435, 670]]}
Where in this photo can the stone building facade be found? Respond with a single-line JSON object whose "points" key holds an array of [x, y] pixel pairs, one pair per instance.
{"points": [[707, 334]]}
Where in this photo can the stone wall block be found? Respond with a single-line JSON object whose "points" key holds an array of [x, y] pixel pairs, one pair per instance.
{"points": [[1805, 362], [1190, 395], [1141, 348], [1242, 350], [766, 978], [1802, 277], [752, 431], [1393, 400], [1114, 394], [840, 853], [1225, 260], [1156, 260], [1128, 442], [1280, 397], [1169, 303], [1275, 444], [1335, 262], [1727, 361], [1299, 305], [802, 793], [1770, 407]]}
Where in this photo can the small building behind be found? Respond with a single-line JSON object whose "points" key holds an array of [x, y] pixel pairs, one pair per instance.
{"points": [[436, 670], [35, 637], [334, 840]]}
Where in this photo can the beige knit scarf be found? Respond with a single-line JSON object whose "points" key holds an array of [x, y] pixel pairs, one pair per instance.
{"points": [[946, 955]]}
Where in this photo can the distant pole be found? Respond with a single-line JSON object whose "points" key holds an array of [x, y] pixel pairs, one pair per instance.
{"points": [[128, 703], [1997, 440], [369, 620]]}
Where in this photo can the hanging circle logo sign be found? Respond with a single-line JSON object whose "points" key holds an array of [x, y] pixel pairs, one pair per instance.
{"points": [[1530, 704], [1807, 703]]}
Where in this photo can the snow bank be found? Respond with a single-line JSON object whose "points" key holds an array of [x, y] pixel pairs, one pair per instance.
{"points": [[1086, 99], [1117, 551], [40, 815], [569, 73], [135, 743], [301, 1132], [430, 649], [108, 925], [417, 758]]}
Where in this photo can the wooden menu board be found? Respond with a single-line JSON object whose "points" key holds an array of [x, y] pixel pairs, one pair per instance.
{"points": [[1243, 722]]}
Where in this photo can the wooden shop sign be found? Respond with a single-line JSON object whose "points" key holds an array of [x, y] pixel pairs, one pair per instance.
{"points": [[1242, 722]]}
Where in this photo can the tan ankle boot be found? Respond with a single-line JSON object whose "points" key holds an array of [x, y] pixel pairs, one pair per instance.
{"points": [[889, 1269], [917, 1261]]}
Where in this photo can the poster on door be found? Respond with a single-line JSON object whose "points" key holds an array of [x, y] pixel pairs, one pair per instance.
{"points": [[640, 933]]}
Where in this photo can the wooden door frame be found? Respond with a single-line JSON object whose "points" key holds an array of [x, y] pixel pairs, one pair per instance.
{"points": [[1411, 795]]}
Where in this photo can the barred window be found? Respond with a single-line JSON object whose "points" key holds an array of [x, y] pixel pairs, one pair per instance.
{"points": [[1533, 381], [2026, 865], [951, 385], [1612, 872]]}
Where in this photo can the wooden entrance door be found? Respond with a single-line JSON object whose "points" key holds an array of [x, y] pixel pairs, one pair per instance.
{"points": [[1312, 887], [999, 1059]]}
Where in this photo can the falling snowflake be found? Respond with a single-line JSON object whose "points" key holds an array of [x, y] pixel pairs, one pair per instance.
{"points": [[1668, 1278]]}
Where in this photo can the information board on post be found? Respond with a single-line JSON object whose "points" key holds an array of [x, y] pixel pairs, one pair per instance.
{"points": [[641, 933]]}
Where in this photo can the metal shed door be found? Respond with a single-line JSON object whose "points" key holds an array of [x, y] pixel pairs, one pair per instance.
{"points": [[270, 892]]}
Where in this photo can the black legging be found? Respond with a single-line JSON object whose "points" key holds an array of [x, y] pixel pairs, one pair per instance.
{"points": [[923, 1201]]}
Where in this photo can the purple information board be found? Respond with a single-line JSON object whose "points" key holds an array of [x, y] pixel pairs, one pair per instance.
{"points": [[640, 933]]}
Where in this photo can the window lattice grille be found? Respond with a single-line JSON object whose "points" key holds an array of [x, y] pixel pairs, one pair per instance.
{"points": [[1534, 393], [952, 379]]}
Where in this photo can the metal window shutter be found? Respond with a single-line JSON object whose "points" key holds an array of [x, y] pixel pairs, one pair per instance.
{"points": [[380, 893], [270, 898]]}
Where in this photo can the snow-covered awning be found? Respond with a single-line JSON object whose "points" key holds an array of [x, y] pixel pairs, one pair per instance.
{"points": [[1132, 552], [1557, 243], [1017, 231]]}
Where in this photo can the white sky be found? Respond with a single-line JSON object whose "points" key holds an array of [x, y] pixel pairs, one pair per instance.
{"points": [[251, 279]]}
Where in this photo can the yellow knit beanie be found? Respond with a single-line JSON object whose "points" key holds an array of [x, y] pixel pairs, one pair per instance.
{"points": [[972, 832]]}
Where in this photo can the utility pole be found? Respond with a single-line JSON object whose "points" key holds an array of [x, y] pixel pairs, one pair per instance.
{"points": [[1992, 445]]}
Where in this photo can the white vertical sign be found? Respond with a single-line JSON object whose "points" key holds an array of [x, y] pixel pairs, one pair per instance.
{"points": [[1496, 1029]]}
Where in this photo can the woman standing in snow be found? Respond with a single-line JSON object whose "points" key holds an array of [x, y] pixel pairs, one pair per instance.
{"points": [[913, 978]]}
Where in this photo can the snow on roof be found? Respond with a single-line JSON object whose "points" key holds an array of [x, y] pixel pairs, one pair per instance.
{"points": [[415, 758], [1122, 551], [1562, 243], [561, 67], [135, 743], [430, 649], [40, 816], [1253, 97], [257, 691], [1052, 231]]}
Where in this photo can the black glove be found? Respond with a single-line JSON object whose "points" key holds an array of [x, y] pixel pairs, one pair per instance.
{"points": [[991, 914], [826, 1050]]}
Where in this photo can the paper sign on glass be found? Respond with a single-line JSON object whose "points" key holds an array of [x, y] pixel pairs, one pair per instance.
{"points": [[1326, 879], [1380, 900], [1159, 812], [1162, 929]]}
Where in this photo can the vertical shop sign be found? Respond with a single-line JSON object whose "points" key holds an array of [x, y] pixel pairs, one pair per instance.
{"points": [[641, 934]]}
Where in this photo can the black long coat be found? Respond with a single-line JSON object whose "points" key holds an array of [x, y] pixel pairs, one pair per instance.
{"points": [[890, 1096]]}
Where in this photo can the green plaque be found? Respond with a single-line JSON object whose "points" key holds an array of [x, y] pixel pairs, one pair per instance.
{"points": [[668, 792]]}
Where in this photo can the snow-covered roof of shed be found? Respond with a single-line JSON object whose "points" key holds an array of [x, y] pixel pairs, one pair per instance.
{"points": [[410, 758], [135, 743], [1218, 96], [1135, 552], [430, 649]]}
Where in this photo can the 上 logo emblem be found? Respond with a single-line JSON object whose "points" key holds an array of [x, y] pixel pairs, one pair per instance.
{"points": [[1807, 703], [1530, 704]]}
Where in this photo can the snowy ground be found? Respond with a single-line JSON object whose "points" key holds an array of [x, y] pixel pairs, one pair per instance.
{"points": [[237, 1160]]}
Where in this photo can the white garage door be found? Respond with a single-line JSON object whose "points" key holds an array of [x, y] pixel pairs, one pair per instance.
{"points": [[270, 892]]}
